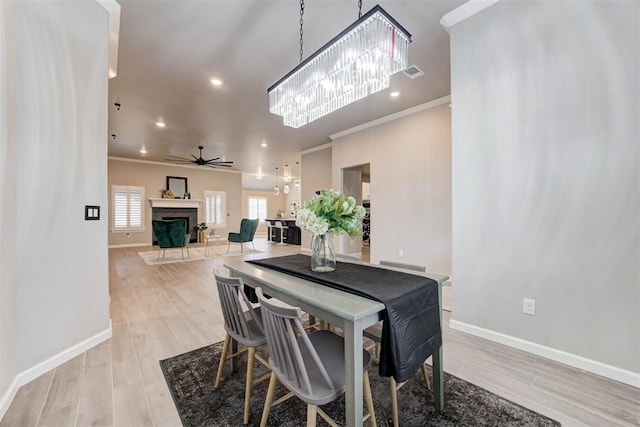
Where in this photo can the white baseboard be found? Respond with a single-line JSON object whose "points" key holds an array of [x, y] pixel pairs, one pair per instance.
{"points": [[7, 398], [129, 245], [54, 361], [593, 366]]}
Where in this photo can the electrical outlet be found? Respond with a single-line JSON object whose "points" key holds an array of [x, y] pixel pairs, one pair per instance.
{"points": [[401, 252], [529, 306]]}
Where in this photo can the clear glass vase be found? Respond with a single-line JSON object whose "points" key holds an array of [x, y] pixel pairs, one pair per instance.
{"points": [[323, 257]]}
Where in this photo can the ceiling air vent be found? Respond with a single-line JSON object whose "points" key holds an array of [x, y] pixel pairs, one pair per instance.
{"points": [[413, 72]]}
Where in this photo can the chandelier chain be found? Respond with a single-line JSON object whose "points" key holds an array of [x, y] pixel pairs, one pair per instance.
{"points": [[359, 9], [301, 22]]}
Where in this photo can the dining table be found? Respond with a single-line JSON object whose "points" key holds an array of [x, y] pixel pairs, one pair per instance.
{"points": [[350, 312]]}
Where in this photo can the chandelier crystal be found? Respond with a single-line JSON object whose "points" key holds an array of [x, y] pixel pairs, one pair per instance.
{"points": [[357, 62]]}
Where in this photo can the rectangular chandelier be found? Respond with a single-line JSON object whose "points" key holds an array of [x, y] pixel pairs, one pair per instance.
{"points": [[357, 62]]}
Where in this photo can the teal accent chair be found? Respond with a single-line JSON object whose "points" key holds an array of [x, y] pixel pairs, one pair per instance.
{"points": [[171, 234], [248, 229]]}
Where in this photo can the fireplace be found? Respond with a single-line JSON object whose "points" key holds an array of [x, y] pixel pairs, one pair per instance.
{"points": [[188, 214]]}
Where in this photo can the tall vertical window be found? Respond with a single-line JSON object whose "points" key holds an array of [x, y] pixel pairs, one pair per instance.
{"points": [[215, 210], [128, 208], [257, 208]]}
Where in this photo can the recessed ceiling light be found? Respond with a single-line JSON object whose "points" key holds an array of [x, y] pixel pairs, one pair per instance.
{"points": [[143, 150], [216, 81], [160, 124], [263, 145], [394, 94]]}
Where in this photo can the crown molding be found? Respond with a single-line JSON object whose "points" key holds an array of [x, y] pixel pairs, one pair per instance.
{"points": [[314, 149], [394, 116], [113, 8], [464, 11]]}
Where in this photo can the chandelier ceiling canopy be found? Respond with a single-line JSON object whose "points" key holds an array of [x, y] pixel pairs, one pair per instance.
{"points": [[357, 62]]}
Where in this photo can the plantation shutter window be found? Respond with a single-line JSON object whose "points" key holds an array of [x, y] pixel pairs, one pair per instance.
{"points": [[128, 208], [257, 208], [215, 208]]}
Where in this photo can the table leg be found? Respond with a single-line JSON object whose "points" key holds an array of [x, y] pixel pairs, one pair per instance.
{"points": [[353, 374], [438, 386]]}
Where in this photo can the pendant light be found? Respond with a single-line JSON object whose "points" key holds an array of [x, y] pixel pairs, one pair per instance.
{"points": [[296, 186], [357, 62], [276, 189], [287, 178]]}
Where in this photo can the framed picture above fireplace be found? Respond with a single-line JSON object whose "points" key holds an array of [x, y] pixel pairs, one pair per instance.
{"points": [[177, 185]]}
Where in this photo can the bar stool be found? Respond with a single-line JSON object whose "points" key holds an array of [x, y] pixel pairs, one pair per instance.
{"points": [[270, 236], [280, 225]]}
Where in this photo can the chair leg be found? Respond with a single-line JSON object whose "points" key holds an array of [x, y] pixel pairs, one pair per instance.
{"points": [[254, 246], [228, 247], [394, 400], [159, 252], [241, 247], [273, 381], [188, 254], [425, 375], [223, 358], [312, 414], [182, 252], [249, 384], [369, 399]]}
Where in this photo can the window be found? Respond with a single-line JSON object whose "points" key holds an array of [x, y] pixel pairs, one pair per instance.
{"points": [[128, 209], [215, 208], [258, 208]]}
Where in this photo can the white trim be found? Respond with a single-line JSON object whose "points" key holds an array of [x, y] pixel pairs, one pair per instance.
{"points": [[53, 362], [593, 366], [7, 398], [394, 116], [130, 245], [113, 8], [152, 162], [62, 357], [464, 11], [314, 149], [175, 203]]}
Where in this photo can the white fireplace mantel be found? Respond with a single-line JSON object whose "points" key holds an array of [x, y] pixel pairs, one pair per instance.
{"points": [[175, 203]]}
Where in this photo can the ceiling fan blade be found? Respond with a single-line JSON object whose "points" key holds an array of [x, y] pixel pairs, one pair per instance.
{"points": [[220, 163], [178, 158], [212, 160], [194, 157]]}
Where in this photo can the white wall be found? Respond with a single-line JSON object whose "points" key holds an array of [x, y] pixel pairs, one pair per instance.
{"points": [[59, 119], [546, 161], [8, 285], [410, 160]]}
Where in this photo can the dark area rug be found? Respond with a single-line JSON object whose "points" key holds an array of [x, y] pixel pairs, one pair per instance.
{"points": [[191, 377]]}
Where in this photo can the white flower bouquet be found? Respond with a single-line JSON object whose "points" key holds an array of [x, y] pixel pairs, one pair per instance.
{"points": [[331, 211]]}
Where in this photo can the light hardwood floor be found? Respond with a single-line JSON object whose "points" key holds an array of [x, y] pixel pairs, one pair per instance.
{"points": [[162, 311]]}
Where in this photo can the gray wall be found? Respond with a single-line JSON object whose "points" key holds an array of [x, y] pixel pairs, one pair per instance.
{"points": [[316, 175], [546, 175], [153, 177], [58, 141], [410, 160], [8, 283]]}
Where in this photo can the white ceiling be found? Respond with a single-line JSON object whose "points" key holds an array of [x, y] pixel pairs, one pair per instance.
{"points": [[169, 50]]}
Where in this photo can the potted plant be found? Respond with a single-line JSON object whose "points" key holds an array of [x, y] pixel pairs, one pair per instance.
{"points": [[201, 227]]}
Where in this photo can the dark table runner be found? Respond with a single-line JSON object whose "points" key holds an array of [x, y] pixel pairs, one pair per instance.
{"points": [[411, 329]]}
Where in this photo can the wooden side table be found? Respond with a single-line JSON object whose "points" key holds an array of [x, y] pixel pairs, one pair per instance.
{"points": [[215, 240]]}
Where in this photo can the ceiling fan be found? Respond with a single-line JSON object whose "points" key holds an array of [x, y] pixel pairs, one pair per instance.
{"points": [[200, 161]]}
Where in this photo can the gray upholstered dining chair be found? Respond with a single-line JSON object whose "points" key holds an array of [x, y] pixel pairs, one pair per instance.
{"points": [[244, 327], [374, 333], [311, 366]]}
